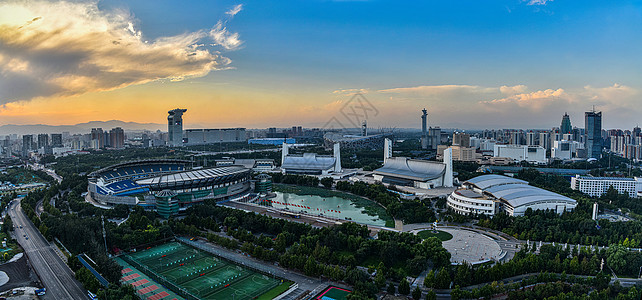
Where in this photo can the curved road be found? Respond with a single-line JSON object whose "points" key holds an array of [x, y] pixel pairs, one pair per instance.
{"points": [[54, 273]]}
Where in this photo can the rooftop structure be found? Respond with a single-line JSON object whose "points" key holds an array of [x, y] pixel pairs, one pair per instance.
{"points": [[145, 182], [310, 163], [415, 172]]}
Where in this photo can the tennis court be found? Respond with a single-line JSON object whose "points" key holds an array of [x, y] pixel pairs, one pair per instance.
{"points": [[333, 293], [199, 273]]}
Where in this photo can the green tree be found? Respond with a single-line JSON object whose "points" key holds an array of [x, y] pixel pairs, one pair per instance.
{"points": [[327, 182], [429, 281], [416, 293], [431, 295], [310, 267], [391, 289], [616, 257], [442, 281], [404, 287]]}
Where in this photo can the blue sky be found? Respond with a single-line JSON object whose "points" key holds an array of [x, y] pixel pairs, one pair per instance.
{"points": [[450, 56]]}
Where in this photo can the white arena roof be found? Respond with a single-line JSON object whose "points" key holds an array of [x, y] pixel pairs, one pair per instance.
{"points": [[516, 192], [414, 169]]}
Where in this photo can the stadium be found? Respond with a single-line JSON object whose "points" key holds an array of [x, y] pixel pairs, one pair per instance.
{"points": [[490, 194], [166, 183]]}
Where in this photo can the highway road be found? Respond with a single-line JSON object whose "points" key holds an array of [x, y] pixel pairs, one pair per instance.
{"points": [[54, 273]]}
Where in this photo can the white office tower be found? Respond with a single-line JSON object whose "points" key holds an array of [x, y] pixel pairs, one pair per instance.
{"points": [[284, 152], [595, 211], [337, 156], [387, 150], [448, 160]]}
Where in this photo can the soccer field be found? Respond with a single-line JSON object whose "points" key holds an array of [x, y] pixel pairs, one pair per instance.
{"points": [[202, 274]]}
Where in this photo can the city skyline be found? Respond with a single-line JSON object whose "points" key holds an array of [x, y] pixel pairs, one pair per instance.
{"points": [[510, 64]]}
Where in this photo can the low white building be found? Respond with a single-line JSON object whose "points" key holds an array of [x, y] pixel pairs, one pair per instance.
{"points": [[597, 186], [310, 163], [531, 154], [491, 194], [565, 149]]}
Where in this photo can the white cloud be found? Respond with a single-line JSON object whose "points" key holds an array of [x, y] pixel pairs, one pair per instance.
{"points": [[235, 10], [534, 100], [537, 2], [512, 90], [350, 91], [430, 90], [222, 36], [70, 48], [474, 106]]}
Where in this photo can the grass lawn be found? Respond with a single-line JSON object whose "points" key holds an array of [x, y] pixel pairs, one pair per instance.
{"points": [[271, 294], [442, 235]]}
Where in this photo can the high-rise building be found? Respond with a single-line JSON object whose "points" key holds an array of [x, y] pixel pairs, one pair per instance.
{"points": [[434, 137], [175, 127], [593, 125], [461, 139], [43, 140], [27, 144], [56, 140], [117, 138], [424, 128], [531, 139], [97, 138], [545, 140], [566, 125]]}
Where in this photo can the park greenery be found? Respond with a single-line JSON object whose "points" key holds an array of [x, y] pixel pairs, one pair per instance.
{"points": [[347, 252], [339, 252], [22, 175]]}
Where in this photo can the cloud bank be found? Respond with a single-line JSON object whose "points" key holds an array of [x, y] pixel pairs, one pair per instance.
{"points": [[70, 48], [517, 106]]}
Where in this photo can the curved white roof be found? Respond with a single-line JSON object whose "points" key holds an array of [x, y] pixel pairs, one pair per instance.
{"points": [[308, 161], [516, 192], [491, 182], [414, 169]]}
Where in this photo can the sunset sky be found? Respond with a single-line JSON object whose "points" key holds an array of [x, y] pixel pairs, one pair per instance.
{"points": [[256, 64]]}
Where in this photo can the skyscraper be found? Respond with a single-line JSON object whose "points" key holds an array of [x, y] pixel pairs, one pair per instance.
{"points": [[593, 125], [566, 125], [27, 144], [117, 138], [43, 140], [97, 138], [175, 127], [56, 140]]}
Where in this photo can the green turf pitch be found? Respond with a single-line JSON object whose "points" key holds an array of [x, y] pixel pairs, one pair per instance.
{"points": [[202, 274]]}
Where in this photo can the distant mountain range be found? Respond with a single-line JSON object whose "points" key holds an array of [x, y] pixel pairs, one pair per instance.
{"points": [[79, 128]]}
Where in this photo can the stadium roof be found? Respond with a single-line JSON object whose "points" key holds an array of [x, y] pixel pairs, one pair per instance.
{"points": [[515, 192], [485, 181], [139, 162], [414, 169], [308, 161], [195, 178]]}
